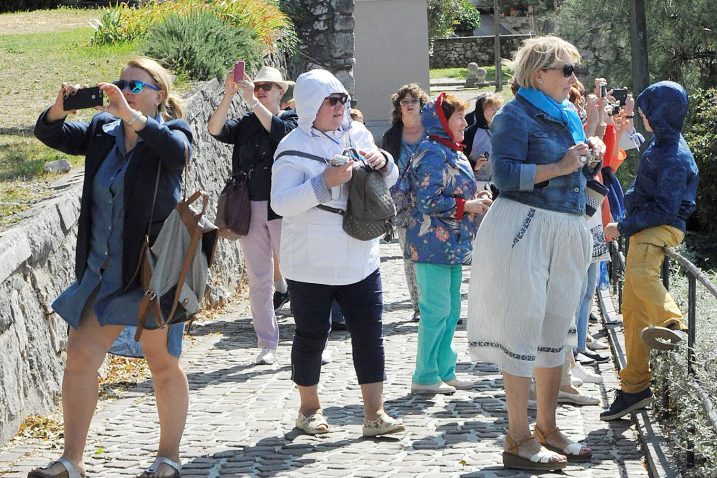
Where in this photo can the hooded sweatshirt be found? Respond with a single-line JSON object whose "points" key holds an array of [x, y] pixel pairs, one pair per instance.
{"points": [[314, 247], [442, 180], [665, 186]]}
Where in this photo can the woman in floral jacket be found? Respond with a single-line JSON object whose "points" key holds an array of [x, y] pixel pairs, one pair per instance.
{"points": [[439, 239]]}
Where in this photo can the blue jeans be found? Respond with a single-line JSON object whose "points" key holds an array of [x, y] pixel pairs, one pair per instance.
{"points": [[439, 301], [586, 303], [362, 305]]}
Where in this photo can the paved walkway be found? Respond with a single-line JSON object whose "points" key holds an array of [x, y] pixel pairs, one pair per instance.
{"points": [[241, 420]]}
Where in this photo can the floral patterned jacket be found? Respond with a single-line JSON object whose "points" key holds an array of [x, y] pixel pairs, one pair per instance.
{"points": [[441, 180]]}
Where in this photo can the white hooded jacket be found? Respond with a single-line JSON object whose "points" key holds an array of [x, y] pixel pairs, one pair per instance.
{"points": [[314, 246]]}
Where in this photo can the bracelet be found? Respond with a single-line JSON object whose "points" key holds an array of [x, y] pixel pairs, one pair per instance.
{"points": [[253, 105], [134, 118], [629, 116]]}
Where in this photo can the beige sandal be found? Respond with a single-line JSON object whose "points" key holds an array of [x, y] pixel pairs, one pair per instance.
{"points": [[541, 461], [573, 451], [383, 425], [313, 424]]}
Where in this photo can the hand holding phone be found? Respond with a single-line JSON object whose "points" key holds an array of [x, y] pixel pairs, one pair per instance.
{"points": [[620, 94], [239, 71], [84, 98]]}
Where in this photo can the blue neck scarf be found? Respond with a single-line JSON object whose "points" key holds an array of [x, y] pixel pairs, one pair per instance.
{"points": [[562, 112]]}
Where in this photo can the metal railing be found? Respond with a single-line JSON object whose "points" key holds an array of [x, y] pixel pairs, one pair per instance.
{"points": [[616, 269]]}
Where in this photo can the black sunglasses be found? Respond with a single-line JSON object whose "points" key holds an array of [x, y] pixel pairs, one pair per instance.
{"points": [[568, 70], [341, 98], [263, 86], [135, 86]]}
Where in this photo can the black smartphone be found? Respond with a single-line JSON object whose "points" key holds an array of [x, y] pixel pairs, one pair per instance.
{"points": [[603, 90], [620, 94], [84, 98]]}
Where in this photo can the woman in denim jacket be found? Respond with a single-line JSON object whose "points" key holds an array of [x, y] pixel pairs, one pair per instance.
{"points": [[535, 248], [438, 239]]}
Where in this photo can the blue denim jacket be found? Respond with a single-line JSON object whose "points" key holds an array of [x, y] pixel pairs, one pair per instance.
{"points": [[665, 187], [524, 137]]}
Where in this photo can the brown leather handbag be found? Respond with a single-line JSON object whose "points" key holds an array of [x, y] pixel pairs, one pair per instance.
{"points": [[234, 208]]}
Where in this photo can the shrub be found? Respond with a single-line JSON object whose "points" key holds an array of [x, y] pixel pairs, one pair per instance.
{"points": [[468, 18], [198, 45], [701, 134]]}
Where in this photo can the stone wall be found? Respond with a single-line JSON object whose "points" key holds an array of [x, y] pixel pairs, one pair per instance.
{"points": [[459, 51], [326, 31], [37, 263]]}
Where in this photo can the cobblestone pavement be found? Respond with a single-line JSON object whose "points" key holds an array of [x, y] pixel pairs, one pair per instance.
{"points": [[241, 420]]}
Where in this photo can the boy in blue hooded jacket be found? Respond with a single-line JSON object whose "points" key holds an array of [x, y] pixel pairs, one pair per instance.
{"points": [[658, 202]]}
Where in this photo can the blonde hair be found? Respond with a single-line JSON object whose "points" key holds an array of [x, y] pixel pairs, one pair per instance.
{"points": [[172, 106], [540, 53], [492, 99], [356, 115]]}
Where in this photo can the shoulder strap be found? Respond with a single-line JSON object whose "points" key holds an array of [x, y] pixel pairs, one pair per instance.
{"points": [[292, 152]]}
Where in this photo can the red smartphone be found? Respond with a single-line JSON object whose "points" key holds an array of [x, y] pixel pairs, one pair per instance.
{"points": [[239, 70]]}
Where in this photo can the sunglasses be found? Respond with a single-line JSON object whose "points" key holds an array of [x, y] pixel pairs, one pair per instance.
{"points": [[135, 86], [341, 98], [406, 102], [263, 86], [568, 70]]}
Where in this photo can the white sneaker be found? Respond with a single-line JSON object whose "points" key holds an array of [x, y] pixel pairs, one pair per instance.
{"points": [[326, 357], [585, 376], [597, 344], [266, 356], [577, 398], [576, 382], [461, 384], [439, 388]]}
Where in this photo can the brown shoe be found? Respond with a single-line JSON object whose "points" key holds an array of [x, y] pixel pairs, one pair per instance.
{"points": [[574, 451]]}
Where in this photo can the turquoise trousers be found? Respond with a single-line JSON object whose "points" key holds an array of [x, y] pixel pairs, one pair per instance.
{"points": [[439, 301]]}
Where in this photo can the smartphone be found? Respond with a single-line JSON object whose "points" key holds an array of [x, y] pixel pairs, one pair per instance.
{"points": [[84, 98], [620, 94], [603, 90], [616, 109], [239, 70]]}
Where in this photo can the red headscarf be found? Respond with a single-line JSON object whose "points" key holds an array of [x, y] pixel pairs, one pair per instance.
{"points": [[452, 143]]}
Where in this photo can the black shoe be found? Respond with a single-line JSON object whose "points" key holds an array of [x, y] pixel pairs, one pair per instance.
{"points": [[625, 403], [339, 326], [280, 298], [416, 317], [597, 357]]}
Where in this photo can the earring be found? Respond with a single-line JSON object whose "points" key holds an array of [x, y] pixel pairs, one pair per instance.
{"points": [[540, 80]]}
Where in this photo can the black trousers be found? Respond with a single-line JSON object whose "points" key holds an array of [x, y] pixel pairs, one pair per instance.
{"points": [[362, 305]]}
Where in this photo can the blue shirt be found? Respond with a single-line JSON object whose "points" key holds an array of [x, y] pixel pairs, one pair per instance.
{"points": [[103, 274], [524, 137]]}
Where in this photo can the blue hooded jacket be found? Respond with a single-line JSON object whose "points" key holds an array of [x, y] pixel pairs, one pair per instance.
{"points": [[438, 232], [665, 186]]}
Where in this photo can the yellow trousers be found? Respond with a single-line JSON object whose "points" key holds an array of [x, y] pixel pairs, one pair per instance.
{"points": [[645, 301]]}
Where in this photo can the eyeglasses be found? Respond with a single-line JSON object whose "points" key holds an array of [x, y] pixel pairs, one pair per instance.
{"points": [[406, 101], [341, 98], [135, 86], [263, 86], [568, 70]]}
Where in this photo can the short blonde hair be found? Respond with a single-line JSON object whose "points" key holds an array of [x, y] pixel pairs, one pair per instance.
{"points": [[540, 53], [172, 106]]}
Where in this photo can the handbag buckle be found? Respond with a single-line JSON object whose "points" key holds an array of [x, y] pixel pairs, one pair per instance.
{"points": [[151, 294]]}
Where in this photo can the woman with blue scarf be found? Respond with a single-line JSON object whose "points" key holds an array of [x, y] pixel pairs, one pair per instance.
{"points": [[536, 249]]}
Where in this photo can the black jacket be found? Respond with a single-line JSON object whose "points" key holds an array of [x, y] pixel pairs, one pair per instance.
{"points": [[254, 149], [161, 143], [391, 140]]}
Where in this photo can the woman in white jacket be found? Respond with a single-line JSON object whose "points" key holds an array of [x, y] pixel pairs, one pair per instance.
{"points": [[319, 260]]}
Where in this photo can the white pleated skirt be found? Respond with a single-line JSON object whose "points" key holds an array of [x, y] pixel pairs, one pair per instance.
{"points": [[525, 290]]}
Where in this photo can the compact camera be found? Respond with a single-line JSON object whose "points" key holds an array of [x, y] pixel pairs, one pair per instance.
{"points": [[339, 160]]}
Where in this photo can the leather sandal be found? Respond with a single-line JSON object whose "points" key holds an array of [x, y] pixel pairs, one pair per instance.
{"points": [[383, 425], [153, 470], [574, 451], [540, 461], [313, 424], [69, 472]]}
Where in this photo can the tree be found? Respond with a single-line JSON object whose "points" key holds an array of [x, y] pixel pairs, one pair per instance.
{"points": [[681, 36], [445, 15]]}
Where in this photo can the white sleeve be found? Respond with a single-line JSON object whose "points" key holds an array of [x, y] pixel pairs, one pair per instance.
{"points": [[291, 192]]}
